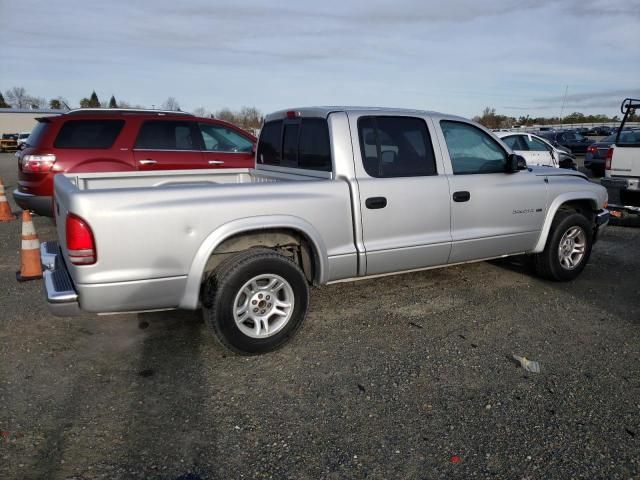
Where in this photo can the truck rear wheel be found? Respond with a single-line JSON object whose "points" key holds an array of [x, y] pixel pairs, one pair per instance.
{"points": [[568, 247], [255, 301]]}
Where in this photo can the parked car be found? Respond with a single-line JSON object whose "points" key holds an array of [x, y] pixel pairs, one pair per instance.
{"points": [[568, 138], [622, 164], [537, 150], [596, 154], [581, 130], [22, 138], [9, 142], [600, 131], [337, 194], [112, 140]]}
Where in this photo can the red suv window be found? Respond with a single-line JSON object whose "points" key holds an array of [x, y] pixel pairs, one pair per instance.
{"points": [[88, 134]]}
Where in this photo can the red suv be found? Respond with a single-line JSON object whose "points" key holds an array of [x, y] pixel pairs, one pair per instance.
{"points": [[112, 140]]}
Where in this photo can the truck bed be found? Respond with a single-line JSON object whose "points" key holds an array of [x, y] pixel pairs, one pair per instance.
{"points": [[176, 215]]}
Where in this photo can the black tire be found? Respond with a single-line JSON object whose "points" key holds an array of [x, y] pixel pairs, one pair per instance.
{"points": [[225, 284], [547, 263]]}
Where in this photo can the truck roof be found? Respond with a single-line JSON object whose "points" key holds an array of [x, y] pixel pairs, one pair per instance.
{"points": [[324, 111]]}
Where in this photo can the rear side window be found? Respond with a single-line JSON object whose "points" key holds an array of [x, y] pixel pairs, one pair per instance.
{"points": [[302, 143], [472, 150], [396, 147], [167, 135], [37, 133], [90, 134]]}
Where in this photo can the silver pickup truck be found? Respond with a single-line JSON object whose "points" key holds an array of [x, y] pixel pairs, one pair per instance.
{"points": [[337, 194]]}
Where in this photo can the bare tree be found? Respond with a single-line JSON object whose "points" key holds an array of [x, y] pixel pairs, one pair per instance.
{"points": [[201, 112], [17, 96], [37, 102], [227, 115], [171, 104]]}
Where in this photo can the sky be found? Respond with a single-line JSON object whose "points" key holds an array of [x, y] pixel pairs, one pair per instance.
{"points": [[454, 56]]}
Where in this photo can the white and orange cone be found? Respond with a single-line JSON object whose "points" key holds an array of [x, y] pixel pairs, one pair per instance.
{"points": [[6, 215], [30, 266]]}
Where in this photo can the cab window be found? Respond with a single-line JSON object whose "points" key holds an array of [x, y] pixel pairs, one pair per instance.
{"points": [[472, 150], [396, 147]]}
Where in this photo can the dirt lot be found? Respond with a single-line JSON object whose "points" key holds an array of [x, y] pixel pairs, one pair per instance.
{"points": [[403, 377]]}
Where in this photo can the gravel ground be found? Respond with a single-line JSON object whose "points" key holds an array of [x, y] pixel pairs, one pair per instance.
{"points": [[402, 377]]}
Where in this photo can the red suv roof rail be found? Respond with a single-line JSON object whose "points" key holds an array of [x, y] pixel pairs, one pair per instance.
{"points": [[126, 110]]}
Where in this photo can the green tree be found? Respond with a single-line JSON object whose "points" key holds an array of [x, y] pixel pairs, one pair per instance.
{"points": [[3, 104], [93, 101], [112, 102], [55, 104]]}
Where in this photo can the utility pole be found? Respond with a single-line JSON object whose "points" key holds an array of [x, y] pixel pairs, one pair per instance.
{"points": [[564, 101]]}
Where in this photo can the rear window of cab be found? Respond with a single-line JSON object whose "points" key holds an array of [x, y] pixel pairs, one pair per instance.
{"points": [[296, 143]]}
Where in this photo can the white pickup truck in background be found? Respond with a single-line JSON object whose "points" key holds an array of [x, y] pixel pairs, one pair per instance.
{"points": [[622, 166]]}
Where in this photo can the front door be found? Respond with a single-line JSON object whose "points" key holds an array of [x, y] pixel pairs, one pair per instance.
{"points": [[492, 213], [224, 147], [403, 198]]}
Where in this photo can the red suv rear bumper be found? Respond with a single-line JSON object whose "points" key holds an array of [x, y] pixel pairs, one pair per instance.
{"points": [[36, 203]]}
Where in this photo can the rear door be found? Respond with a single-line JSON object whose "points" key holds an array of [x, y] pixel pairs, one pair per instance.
{"points": [[403, 197], [168, 145], [225, 147], [492, 213]]}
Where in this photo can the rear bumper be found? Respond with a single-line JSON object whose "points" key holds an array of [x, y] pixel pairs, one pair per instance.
{"points": [[35, 203], [62, 298]]}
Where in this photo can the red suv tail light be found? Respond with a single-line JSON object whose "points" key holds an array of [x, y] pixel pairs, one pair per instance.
{"points": [[38, 163], [607, 161], [592, 149], [80, 243]]}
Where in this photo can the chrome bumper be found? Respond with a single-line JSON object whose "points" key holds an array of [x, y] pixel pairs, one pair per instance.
{"points": [[62, 297]]}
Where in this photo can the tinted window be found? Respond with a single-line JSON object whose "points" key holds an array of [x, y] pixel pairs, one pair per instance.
{"points": [[515, 142], [290, 145], [269, 143], [217, 138], [167, 135], [471, 150], [314, 149], [396, 147], [37, 134], [88, 133], [305, 144]]}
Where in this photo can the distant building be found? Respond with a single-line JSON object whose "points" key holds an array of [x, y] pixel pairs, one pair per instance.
{"points": [[16, 120]]}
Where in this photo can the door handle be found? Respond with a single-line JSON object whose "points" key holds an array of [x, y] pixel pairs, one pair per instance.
{"points": [[216, 162], [147, 161], [461, 196], [375, 202]]}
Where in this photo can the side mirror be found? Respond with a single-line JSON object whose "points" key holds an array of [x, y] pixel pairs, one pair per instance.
{"points": [[515, 163]]}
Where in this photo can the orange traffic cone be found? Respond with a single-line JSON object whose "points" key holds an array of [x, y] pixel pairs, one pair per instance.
{"points": [[5, 210], [30, 266]]}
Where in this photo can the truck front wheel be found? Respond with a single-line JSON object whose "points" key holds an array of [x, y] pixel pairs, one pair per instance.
{"points": [[255, 301], [568, 247]]}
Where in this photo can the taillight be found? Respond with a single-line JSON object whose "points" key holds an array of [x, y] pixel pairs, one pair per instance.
{"points": [[38, 163], [592, 149], [607, 161], [80, 243]]}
